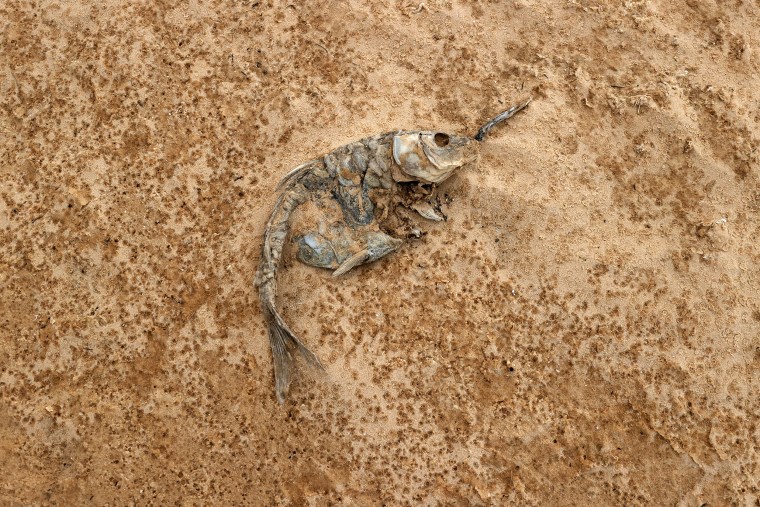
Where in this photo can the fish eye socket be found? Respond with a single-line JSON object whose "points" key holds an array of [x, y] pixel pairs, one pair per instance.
{"points": [[441, 139]]}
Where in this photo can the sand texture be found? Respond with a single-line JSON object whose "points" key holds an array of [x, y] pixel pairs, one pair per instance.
{"points": [[583, 330]]}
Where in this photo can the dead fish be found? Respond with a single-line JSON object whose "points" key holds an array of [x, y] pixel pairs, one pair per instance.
{"points": [[358, 186]]}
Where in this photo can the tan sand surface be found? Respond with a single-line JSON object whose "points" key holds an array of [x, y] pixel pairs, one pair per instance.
{"points": [[584, 330]]}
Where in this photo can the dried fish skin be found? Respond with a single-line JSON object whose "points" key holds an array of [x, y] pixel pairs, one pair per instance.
{"points": [[331, 248]]}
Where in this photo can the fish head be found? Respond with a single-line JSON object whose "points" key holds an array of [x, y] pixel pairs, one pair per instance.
{"points": [[431, 157]]}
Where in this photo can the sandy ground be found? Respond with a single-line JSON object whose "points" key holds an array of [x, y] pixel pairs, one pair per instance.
{"points": [[582, 331]]}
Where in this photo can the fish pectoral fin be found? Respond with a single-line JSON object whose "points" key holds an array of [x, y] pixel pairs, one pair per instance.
{"points": [[353, 261], [428, 211]]}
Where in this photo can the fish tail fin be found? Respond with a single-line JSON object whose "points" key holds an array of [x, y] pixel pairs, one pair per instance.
{"points": [[282, 339]]}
